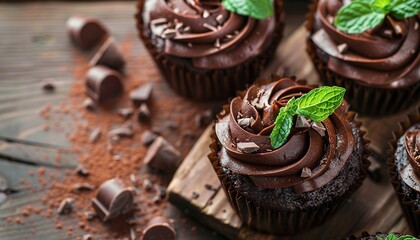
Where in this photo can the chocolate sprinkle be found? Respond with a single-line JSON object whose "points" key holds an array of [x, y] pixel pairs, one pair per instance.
{"points": [[247, 147]]}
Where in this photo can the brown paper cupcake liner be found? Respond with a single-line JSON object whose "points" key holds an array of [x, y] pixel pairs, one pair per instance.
{"points": [[211, 84], [411, 212], [366, 100], [276, 221]]}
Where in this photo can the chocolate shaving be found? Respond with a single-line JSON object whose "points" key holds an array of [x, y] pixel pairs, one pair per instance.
{"points": [[245, 122], [121, 132], [82, 171], [83, 187], [148, 137], [302, 122], [306, 172], [342, 48], [319, 128], [90, 215], [89, 104], [147, 185], [66, 206], [143, 114], [125, 112], [48, 84], [247, 147], [95, 135]]}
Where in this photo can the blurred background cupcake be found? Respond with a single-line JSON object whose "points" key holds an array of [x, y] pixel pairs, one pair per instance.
{"points": [[204, 50], [284, 179], [370, 49], [404, 168]]}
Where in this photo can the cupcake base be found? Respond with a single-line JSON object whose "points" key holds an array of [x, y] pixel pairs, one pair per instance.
{"points": [[259, 209], [410, 209], [210, 84]]}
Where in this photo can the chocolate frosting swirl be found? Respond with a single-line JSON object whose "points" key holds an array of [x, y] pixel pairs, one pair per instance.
{"points": [[305, 148], [387, 56], [205, 32]]}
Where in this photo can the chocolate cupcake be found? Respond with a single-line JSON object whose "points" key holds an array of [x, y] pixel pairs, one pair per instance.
{"points": [[379, 65], [404, 169], [285, 187], [382, 236], [204, 51]]}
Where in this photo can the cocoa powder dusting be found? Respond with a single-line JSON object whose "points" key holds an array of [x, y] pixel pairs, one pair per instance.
{"points": [[78, 122]]}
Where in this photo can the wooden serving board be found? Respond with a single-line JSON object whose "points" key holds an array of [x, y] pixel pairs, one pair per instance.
{"points": [[196, 189]]}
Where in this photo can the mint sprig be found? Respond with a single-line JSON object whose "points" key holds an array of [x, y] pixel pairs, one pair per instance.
{"points": [[318, 104], [259, 9], [394, 237], [361, 15]]}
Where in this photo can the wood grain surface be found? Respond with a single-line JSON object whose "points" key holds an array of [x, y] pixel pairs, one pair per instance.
{"points": [[374, 207]]}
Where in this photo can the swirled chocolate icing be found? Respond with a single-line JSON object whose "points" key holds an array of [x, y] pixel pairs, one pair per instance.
{"points": [[206, 33], [387, 56], [307, 161]]}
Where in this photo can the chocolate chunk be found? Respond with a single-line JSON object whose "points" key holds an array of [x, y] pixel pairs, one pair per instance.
{"points": [[133, 179], [159, 228], [89, 215], [95, 135], [82, 171], [83, 187], [162, 156], [143, 113], [169, 33], [147, 185], [109, 55], [48, 84], [66, 206], [141, 94], [121, 132], [306, 172], [89, 104], [86, 32], [342, 48], [156, 199], [195, 195], [161, 192], [103, 84], [113, 200], [87, 237], [245, 122], [319, 128], [148, 137], [171, 125], [125, 112], [247, 147], [302, 122], [204, 119]]}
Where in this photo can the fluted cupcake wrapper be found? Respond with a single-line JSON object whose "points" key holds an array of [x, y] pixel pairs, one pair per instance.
{"points": [[411, 213], [210, 84], [366, 100], [275, 221]]}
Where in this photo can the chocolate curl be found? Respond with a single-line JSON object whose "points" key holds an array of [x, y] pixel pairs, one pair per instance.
{"points": [[103, 84], [86, 32], [159, 228], [113, 200]]}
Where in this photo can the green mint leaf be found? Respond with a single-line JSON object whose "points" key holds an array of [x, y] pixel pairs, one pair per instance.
{"points": [[283, 124], [407, 237], [358, 16], [320, 103], [401, 9], [259, 9], [391, 237], [379, 238], [381, 6]]}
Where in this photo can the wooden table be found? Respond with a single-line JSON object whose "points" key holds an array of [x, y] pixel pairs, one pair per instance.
{"points": [[34, 46]]}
